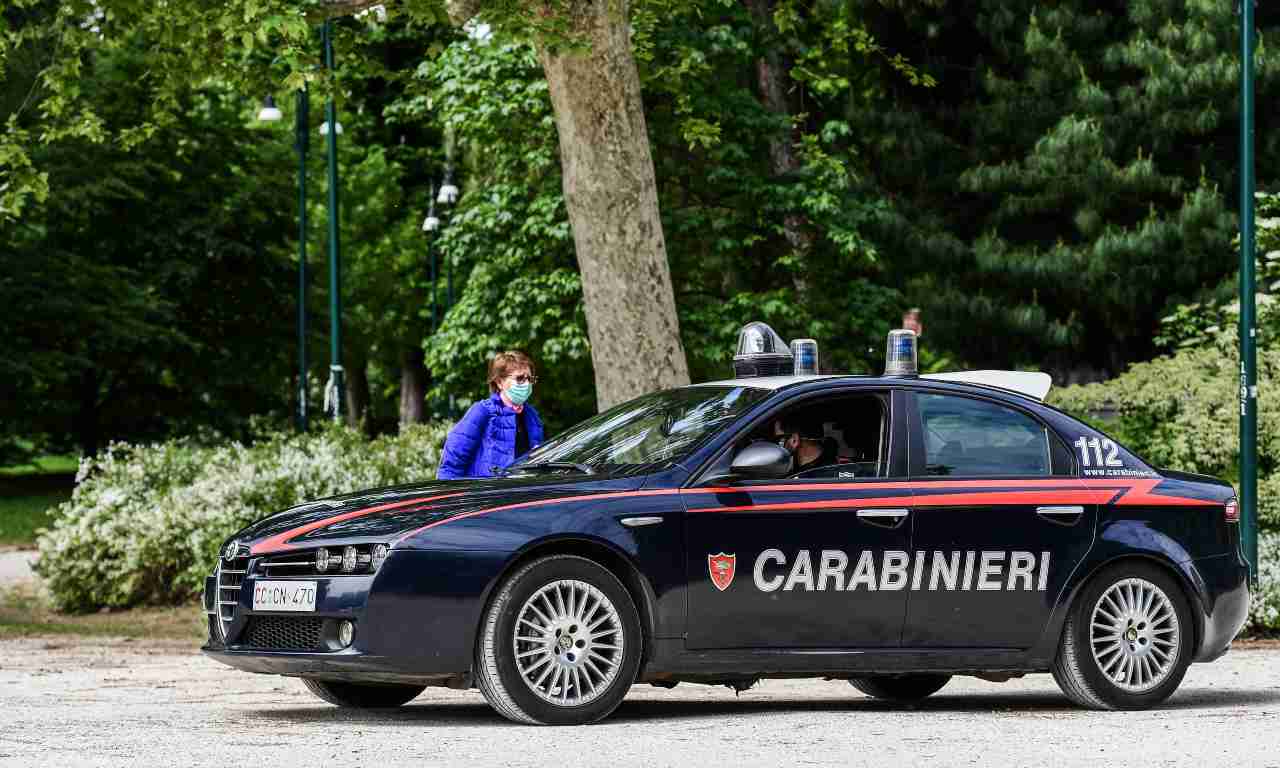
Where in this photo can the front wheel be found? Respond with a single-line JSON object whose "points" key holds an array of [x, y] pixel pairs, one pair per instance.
{"points": [[560, 644], [361, 695], [903, 689], [1127, 641]]}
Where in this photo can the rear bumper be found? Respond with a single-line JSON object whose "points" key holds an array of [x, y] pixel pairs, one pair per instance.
{"points": [[1225, 581]]}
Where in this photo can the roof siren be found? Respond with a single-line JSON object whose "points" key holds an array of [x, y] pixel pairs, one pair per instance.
{"points": [[804, 352], [900, 354], [761, 352]]}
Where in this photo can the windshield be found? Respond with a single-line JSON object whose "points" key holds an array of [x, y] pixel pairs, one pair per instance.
{"points": [[639, 435]]}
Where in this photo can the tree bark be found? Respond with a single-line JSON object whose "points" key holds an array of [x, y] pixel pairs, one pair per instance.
{"points": [[611, 195], [413, 386], [357, 391], [772, 74]]}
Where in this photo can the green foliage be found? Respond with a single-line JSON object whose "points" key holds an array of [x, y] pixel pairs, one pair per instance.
{"points": [[143, 292], [1264, 602], [1064, 185], [145, 522]]}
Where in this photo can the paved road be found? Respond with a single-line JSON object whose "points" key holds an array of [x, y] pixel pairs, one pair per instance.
{"points": [[70, 702], [15, 566]]}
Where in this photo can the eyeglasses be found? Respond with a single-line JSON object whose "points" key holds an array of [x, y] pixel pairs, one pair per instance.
{"points": [[524, 378]]}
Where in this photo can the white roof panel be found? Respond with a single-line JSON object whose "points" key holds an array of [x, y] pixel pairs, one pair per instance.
{"points": [[1030, 383]]}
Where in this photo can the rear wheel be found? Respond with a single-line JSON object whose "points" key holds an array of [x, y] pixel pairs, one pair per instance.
{"points": [[903, 689], [362, 695], [560, 644], [1127, 641]]}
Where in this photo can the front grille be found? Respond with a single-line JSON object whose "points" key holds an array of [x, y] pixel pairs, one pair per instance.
{"points": [[231, 575], [283, 633]]}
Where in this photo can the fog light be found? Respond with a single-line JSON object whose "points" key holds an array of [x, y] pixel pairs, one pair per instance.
{"points": [[349, 559], [346, 633], [322, 560], [379, 554]]}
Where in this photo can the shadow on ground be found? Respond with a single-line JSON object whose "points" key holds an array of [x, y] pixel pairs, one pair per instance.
{"points": [[479, 713]]}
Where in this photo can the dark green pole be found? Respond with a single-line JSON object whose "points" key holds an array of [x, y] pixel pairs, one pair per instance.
{"points": [[301, 143], [1248, 324], [335, 263]]}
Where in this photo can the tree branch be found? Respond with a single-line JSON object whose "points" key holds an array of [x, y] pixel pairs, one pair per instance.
{"points": [[460, 11]]}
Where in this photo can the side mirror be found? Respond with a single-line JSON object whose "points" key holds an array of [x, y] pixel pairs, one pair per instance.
{"points": [[762, 460]]}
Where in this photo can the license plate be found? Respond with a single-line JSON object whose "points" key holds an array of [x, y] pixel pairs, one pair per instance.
{"points": [[284, 596]]}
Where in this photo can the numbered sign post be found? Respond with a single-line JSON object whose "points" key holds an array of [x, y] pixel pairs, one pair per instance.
{"points": [[1248, 324]]}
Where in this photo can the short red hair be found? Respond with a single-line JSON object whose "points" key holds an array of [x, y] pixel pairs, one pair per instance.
{"points": [[504, 362]]}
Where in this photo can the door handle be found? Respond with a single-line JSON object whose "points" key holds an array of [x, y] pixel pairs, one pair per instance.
{"points": [[881, 514], [1062, 515], [637, 522], [883, 518]]}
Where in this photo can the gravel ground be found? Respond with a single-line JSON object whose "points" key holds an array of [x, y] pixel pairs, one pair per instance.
{"points": [[15, 566], [79, 701]]}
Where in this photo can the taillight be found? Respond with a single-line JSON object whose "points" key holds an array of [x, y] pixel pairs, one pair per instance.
{"points": [[1231, 513]]}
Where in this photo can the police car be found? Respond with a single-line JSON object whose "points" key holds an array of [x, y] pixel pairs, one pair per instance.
{"points": [[892, 531]]}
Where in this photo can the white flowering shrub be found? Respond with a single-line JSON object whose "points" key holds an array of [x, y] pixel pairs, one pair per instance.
{"points": [[144, 523], [1264, 608]]}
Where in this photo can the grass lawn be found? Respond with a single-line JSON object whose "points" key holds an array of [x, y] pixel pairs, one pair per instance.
{"points": [[20, 516], [24, 611], [43, 465], [29, 492]]}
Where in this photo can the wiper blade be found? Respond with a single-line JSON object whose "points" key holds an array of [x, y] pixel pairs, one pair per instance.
{"points": [[554, 465]]}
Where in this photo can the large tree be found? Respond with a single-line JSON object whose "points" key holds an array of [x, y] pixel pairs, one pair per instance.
{"points": [[586, 51]]}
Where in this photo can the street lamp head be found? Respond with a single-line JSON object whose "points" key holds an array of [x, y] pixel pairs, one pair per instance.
{"points": [[431, 223], [269, 113], [337, 128], [448, 190]]}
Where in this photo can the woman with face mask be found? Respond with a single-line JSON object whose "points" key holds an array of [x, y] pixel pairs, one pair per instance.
{"points": [[496, 431]]}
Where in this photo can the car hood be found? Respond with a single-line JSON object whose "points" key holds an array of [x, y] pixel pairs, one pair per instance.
{"points": [[386, 513]]}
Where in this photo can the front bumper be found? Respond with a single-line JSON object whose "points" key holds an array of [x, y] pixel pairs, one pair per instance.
{"points": [[415, 620]]}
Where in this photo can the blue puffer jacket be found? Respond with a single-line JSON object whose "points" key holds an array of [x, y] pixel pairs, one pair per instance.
{"points": [[484, 441]]}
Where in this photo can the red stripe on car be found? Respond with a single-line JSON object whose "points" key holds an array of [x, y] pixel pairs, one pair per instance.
{"points": [[280, 542]]}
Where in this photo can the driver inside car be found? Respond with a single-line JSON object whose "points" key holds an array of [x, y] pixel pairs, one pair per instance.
{"points": [[810, 450]]}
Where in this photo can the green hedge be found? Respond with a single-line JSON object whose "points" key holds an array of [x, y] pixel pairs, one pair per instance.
{"points": [[144, 523]]}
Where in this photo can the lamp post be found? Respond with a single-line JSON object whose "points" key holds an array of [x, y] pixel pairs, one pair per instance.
{"points": [[1248, 323], [271, 113], [334, 388]]}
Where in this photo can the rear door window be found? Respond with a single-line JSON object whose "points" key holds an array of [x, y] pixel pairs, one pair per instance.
{"points": [[967, 437]]}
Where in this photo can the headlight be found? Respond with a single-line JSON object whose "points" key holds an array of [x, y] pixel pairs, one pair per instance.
{"points": [[322, 560], [349, 559], [379, 554]]}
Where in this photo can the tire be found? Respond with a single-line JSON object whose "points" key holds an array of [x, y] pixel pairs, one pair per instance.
{"points": [[362, 695], [902, 689], [583, 645], [1151, 647]]}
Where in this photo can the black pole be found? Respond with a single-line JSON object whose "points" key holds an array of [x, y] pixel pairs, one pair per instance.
{"points": [[335, 263], [1248, 309], [301, 143]]}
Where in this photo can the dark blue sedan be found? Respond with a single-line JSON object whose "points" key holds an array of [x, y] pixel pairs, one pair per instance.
{"points": [[892, 531]]}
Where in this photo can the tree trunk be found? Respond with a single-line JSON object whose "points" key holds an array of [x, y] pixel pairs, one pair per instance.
{"points": [[86, 426], [357, 387], [611, 196], [772, 75], [413, 386]]}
